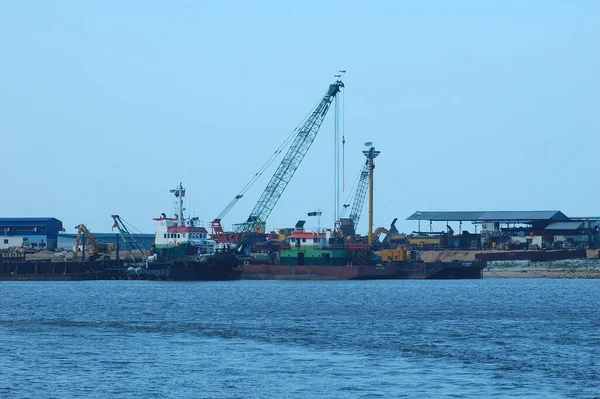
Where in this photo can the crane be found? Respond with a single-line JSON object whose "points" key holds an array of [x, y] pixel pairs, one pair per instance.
{"points": [[349, 225], [289, 164], [127, 237], [97, 250]]}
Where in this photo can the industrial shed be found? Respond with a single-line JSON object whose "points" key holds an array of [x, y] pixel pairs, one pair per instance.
{"points": [[524, 217], [29, 232], [521, 229]]}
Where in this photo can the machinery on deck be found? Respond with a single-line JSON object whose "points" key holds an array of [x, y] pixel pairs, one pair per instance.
{"points": [[392, 238], [97, 250]]}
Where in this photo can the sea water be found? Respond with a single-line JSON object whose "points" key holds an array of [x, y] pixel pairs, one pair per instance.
{"points": [[490, 338]]}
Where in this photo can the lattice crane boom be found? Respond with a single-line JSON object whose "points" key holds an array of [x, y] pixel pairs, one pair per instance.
{"points": [[289, 164], [360, 195], [128, 240]]}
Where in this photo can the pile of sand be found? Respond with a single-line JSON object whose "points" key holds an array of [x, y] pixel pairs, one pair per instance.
{"points": [[448, 256]]}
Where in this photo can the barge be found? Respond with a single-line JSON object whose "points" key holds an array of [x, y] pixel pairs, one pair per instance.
{"points": [[309, 257]]}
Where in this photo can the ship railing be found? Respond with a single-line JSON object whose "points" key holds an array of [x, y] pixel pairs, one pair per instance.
{"points": [[335, 246], [11, 256], [440, 248], [478, 248]]}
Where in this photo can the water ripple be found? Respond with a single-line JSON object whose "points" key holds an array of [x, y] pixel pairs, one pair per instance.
{"points": [[136, 339]]}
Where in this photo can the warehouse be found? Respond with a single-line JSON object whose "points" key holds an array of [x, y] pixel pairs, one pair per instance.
{"points": [[508, 230], [29, 232]]}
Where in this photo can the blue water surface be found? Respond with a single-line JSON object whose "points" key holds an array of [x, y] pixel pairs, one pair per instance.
{"points": [[491, 338]]}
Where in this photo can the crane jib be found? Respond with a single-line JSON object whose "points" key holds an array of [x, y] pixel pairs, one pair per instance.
{"points": [[290, 163]]}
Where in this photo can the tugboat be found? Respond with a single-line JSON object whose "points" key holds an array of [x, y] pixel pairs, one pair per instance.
{"points": [[182, 251]]}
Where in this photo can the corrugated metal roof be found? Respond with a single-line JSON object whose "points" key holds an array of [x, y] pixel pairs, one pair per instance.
{"points": [[25, 220], [564, 226], [54, 225], [488, 216], [441, 216], [522, 216]]}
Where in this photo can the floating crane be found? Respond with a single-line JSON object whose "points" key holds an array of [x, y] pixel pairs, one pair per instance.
{"points": [[301, 143], [289, 164]]}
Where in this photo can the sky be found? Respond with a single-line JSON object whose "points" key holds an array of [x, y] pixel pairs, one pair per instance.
{"points": [[474, 105]]}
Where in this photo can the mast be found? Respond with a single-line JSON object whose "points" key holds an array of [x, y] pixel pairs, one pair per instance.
{"points": [[181, 219], [179, 193], [336, 165], [371, 154], [339, 130]]}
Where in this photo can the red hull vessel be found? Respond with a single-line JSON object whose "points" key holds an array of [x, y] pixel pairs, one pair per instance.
{"points": [[285, 272]]}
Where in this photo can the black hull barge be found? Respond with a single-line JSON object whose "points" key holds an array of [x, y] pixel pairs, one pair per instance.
{"points": [[216, 268]]}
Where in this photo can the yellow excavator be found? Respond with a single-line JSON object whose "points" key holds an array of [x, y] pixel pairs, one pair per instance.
{"points": [[392, 236], [97, 250]]}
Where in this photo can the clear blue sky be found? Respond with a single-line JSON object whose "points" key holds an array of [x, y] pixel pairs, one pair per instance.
{"points": [[475, 105]]}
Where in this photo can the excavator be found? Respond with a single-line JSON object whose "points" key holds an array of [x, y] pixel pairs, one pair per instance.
{"points": [[97, 250], [392, 236]]}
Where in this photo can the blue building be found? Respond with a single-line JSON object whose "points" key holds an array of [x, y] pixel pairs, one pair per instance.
{"points": [[29, 232]]}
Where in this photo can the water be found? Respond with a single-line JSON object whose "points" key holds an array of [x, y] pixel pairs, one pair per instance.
{"points": [[491, 338]]}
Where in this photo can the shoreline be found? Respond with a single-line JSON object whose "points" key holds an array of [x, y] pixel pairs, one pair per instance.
{"points": [[571, 268], [541, 273]]}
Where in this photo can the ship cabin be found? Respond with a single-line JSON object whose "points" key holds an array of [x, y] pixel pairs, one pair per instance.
{"points": [[170, 234], [301, 238], [304, 239]]}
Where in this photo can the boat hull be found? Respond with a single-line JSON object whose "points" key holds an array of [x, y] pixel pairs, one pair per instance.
{"points": [[220, 267], [53, 271], [388, 270]]}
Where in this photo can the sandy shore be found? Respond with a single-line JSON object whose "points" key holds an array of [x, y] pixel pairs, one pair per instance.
{"points": [[540, 273], [572, 268]]}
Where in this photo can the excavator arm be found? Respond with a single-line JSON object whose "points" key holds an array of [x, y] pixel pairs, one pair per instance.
{"points": [[82, 230]]}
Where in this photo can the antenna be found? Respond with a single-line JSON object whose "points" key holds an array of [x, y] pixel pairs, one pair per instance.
{"points": [[318, 215], [343, 161]]}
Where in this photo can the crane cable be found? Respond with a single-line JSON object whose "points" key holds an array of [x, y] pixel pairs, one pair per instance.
{"points": [[266, 165], [128, 229], [129, 226], [352, 193], [411, 190]]}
